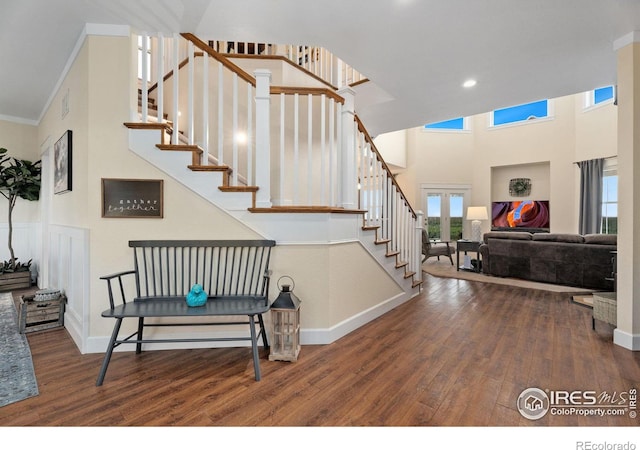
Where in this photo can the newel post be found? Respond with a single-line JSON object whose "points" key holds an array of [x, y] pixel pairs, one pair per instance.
{"points": [[418, 247], [347, 168], [263, 138]]}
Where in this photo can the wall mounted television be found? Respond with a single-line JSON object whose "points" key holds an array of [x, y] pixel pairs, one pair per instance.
{"points": [[520, 215]]}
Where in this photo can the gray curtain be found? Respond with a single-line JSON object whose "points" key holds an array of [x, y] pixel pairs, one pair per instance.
{"points": [[591, 195]]}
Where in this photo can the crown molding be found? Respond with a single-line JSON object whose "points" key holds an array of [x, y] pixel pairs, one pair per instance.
{"points": [[625, 40]]}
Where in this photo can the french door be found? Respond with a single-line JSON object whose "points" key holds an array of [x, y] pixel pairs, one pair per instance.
{"points": [[444, 208]]}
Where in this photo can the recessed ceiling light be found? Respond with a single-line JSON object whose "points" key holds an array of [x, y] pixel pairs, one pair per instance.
{"points": [[469, 83]]}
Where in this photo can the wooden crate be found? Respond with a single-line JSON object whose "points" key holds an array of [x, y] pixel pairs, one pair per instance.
{"points": [[15, 280], [41, 315]]}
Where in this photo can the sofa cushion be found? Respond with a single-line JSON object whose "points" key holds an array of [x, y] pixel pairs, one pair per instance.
{"points": [[514, 235], [608, 239], [559, 237]]}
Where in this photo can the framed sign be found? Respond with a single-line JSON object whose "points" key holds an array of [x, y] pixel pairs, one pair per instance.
{"points": [[62, 160], [124, 198]]}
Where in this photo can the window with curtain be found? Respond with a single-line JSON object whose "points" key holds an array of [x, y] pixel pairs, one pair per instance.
{"points": [[610, 198]]}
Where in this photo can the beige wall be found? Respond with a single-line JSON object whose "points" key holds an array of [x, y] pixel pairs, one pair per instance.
{"points": [[544, 150], [100, 98], [21, 141]]}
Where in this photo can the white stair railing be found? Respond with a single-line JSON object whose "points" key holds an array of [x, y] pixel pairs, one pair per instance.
{"points": [[311, 150], [386, 206], [315, 60]]}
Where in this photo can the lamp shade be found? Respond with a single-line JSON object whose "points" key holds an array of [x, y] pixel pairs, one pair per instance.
{"points": [[477, 213]]}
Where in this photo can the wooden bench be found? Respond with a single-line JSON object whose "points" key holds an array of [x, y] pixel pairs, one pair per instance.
{"points": [[234, 273]]}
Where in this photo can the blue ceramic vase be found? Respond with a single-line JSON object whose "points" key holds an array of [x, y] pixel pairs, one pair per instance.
{"points": [[196, 296]]}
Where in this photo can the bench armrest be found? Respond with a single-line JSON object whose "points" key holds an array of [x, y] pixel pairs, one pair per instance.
{"points": [[119, 276]]}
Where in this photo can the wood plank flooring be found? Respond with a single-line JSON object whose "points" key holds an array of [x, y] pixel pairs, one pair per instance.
{"points": [[457, 355]]}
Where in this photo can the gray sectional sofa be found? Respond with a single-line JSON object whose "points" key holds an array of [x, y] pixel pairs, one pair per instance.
{"points": [[566, 259]]}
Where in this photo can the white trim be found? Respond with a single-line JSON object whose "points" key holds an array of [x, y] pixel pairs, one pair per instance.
{"points": [[90, 29], [18, 120], [626, 340], [625, 40]]}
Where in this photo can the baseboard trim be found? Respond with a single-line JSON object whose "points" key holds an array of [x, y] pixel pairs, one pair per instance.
{"points": [[626, 340], [313, 336]]}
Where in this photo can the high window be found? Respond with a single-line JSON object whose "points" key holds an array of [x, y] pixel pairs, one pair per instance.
{"points": [[458, 124], [610, 199], [600, 96], [520, 113]]}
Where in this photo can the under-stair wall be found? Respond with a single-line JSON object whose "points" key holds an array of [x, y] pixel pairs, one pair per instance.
{"points": [[327, 187]]}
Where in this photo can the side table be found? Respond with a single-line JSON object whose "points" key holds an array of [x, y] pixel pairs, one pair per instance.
{"points": [[465, 245]]}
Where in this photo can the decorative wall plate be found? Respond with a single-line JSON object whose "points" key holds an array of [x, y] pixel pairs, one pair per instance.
{"points": [[520, 187]]}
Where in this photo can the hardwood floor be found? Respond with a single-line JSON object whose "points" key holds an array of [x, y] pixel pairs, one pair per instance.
{"points": [[457, 355]]}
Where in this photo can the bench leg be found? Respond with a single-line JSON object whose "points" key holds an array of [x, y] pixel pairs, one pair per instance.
{"points": [[254, 346], [263, 333], [140, 328], [107, 356]]}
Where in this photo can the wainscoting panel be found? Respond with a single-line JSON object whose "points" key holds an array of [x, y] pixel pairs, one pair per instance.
{"points": [[24, 243], [69, 271]]}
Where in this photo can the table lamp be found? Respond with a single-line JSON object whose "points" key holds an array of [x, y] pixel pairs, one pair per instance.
{"points": [[476, 214]]}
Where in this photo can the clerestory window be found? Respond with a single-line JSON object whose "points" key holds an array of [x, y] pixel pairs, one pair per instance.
{"points": [[520, 113], [458, 124]]}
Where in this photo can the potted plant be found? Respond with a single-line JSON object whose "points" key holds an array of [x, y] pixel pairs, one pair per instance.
{"points": [[19, 178]]}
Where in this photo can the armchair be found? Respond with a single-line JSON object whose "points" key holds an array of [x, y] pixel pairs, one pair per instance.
{"points": [[436, 249]]}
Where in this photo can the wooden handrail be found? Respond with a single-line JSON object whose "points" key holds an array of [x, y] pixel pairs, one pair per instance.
{"points": [[219, 57], [307, 90], [367, 138], [169, 74], [286, 60]]}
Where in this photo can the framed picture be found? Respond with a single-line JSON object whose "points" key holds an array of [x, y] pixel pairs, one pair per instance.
{"points": [[62, 160], [125, 198]]}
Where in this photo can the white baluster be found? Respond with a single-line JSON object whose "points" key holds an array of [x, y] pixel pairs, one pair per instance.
{"points": [[309, 149], [263, 139], [220, 115], [160, 77], [190, 81], [176, 121], [234, 129], [249, 134], [323, 149], [144, 82], [296, 148], [205, 107]]}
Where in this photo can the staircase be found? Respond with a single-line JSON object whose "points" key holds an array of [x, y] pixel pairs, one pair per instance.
{"points": [[325, 161]]}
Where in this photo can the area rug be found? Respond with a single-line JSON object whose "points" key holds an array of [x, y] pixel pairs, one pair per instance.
{"points": [[444, 269], [17, 377]]}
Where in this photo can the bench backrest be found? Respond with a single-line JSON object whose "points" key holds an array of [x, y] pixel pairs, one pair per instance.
{"points": [[222, 267]]}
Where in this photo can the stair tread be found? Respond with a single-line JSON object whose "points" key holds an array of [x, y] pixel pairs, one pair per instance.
{"points": [[205, 168], [394, 253], [382, 241], [400, 264], [238, 188], [180, 147]]}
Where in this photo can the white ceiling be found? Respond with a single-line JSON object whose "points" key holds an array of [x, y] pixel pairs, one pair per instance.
{"points": [[417, 52]]}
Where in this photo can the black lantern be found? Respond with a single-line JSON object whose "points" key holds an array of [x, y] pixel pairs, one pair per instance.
{"points": [[285, 324]]}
